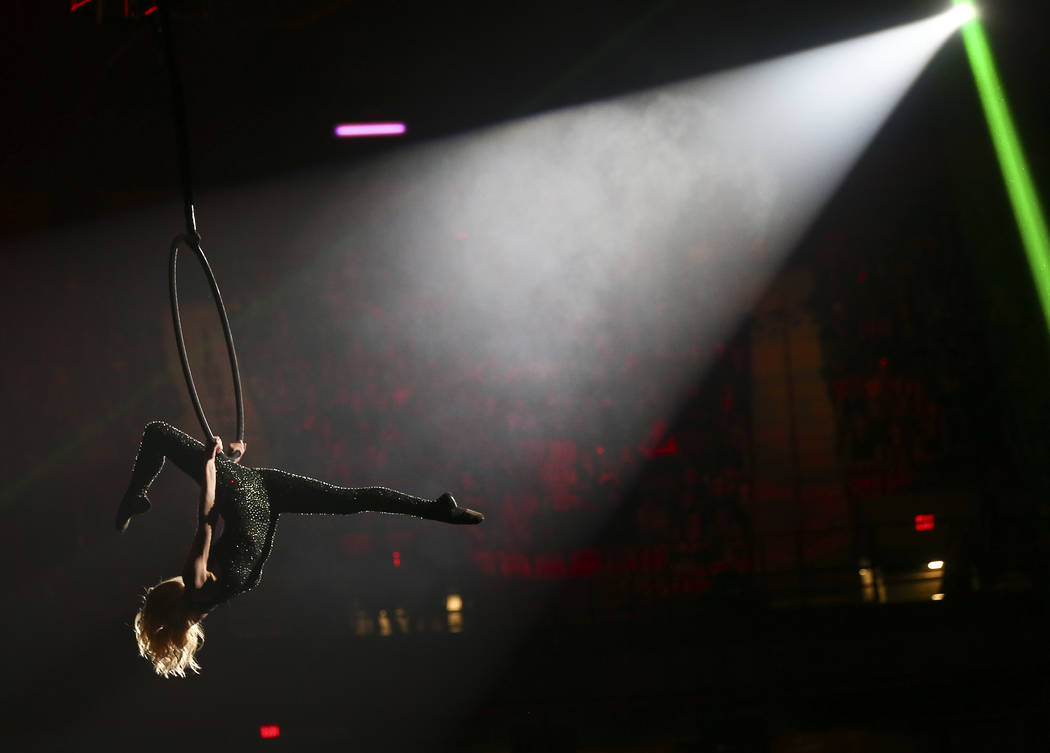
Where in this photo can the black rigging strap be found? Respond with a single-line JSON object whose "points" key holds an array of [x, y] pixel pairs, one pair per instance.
{"points": [[191, 238]]}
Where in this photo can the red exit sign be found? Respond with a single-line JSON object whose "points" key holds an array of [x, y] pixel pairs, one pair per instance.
{"points": [[923, 522], [269, 731]]}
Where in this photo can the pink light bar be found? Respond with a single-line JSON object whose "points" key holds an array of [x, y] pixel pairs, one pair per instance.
{"points": [[269, 731], [355, 130]]}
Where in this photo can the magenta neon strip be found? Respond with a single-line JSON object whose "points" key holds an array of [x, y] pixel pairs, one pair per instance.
{"points": [[353, 130]]}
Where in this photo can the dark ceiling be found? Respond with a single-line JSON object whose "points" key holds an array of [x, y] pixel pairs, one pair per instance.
{"points": [[88, 100]]}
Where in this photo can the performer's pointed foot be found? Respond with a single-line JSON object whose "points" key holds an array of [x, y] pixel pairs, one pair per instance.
{"points": [[453, 513], [130, 505]]}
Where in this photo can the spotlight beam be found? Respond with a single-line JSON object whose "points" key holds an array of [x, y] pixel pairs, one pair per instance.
{"points": [[1019, 185], [646, 224]]}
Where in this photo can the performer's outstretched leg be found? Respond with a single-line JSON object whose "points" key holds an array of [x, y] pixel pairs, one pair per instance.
{"points": [[299, 494], [159, 441]]}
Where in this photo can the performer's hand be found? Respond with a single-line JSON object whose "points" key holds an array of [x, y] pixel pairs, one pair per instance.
{"points": [[240, 447], [216, 447], [201, 573]]}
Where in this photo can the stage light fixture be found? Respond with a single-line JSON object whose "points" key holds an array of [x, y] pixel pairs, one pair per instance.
{"points": [[963, 12]]}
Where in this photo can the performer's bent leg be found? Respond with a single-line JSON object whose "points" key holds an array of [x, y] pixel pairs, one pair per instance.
{"points": [[299, 494], [159, 441]]}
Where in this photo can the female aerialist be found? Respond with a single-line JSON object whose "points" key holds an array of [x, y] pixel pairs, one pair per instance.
{"points": [[249, 500]]}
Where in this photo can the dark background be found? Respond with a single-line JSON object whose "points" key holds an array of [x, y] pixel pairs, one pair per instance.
{"points": [[633, 599]]}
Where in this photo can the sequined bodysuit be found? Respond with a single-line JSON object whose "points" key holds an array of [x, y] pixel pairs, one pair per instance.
{"points": [[249, 500]]}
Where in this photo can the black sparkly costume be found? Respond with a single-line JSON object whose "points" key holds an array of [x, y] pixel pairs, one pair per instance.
{"points": [[250, 501]]}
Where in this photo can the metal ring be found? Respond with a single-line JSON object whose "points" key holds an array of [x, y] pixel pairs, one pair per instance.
{"points": [[176, 320]]}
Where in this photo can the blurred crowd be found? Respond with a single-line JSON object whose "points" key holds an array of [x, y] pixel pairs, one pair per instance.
{"points": [[904, 358], [605, 466]]}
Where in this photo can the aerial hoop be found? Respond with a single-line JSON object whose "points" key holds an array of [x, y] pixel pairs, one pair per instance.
{"points": [[195, 246]]}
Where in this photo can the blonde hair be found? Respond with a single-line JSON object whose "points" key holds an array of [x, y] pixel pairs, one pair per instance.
{"points": [[169, 635]]}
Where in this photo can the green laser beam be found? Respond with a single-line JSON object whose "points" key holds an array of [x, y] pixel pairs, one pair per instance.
{"points": [[1019, 186]]}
